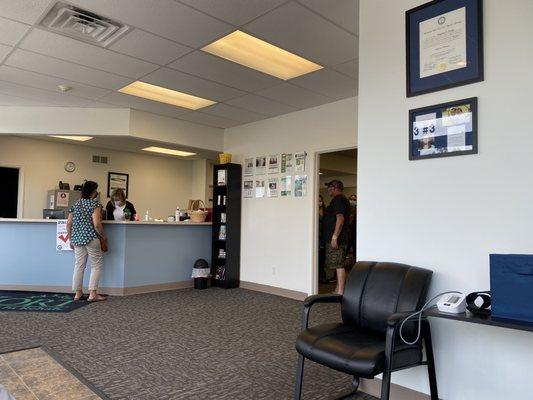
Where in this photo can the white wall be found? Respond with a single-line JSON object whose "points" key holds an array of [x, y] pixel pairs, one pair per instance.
{"points": [[156, 183], [449, 214], [277, 233]]}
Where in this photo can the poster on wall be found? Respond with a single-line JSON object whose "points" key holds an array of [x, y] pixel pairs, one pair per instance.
{"points": [[116, 180], [273, 184], [248, 189], [300, 185], [260, 165], [286, 163], [273, 164], [260, 188], [62, 199], [62, 240], [299, 160], [285, 186], [248, 166]]}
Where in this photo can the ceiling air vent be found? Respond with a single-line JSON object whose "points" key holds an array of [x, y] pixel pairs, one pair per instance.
{"points": [[68, 20]]}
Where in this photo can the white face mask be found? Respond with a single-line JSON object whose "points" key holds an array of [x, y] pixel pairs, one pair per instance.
{"points": [[353, 202], [118, 204]]}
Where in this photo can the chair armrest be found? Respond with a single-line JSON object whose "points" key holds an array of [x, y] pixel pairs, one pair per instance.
{"points": [[317, 298], [322, 298], [396, 318]]}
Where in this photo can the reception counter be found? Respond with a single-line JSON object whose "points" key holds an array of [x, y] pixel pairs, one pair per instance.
{"points": [[143, 256]]}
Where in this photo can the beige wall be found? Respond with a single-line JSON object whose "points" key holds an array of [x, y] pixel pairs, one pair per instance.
{"points": [[156, 183]]}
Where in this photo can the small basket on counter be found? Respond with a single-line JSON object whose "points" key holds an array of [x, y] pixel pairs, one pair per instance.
{"points": [[196, 212], [224, 158]]}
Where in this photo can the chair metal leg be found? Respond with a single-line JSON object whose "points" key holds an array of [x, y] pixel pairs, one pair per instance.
{"points": [[430, 361], [299, 377], [385, 384], [355, 386]]}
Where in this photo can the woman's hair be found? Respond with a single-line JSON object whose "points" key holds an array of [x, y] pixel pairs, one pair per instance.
{"points": [[118, 193], [87, 189]]}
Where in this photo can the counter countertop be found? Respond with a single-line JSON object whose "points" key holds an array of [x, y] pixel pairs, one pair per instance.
{"points": [[131, 223]]}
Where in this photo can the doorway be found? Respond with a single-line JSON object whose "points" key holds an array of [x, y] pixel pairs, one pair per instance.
{"points": [[338, 165], [10, 206]]}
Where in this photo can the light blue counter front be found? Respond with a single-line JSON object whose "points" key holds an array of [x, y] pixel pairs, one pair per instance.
{"points": [[142, 256]]}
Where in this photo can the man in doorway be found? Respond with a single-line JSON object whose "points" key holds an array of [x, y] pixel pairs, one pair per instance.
{"points": [[336, 231]]}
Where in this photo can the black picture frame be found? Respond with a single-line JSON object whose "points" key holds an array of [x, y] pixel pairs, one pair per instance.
{"points": [[112, 182], [451, 125], [471, 73]]}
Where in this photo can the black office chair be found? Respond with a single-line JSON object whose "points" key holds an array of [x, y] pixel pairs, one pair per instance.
{"points": [[378, 296]]}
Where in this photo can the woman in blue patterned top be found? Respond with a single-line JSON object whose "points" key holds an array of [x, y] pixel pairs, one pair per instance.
{"points": [[84, 228]]}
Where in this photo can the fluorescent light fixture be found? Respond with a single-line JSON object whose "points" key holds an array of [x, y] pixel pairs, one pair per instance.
{"points": [[173, 152], [255, 53], [76, 138], [164, 95]]}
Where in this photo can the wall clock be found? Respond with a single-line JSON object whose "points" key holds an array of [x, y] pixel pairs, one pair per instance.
{"points": [[70, 166]]}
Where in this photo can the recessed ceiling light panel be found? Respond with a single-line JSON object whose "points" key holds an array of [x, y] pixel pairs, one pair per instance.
{"points": [[172, 152], [76, 138], [257, 54], [164, 95]]}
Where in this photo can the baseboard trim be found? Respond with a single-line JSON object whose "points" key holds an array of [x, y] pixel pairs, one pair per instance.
{"points": [[113, 291], [291, 294], [397, 392]]}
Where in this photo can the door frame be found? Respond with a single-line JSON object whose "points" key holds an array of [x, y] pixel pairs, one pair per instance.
{"points": [[316, 192], [20, 195]]}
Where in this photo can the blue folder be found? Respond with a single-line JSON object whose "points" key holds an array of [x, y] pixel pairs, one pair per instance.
{"points": [[511, 286]]}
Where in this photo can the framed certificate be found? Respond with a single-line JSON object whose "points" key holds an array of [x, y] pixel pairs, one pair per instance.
{"points": [[443, 130], [117, 180], [444, 42]]}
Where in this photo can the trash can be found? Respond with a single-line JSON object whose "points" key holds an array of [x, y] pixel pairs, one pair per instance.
{"points": [[201, 273]]}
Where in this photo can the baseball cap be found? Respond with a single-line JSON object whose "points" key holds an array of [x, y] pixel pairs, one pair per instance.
{"points": [[336, 183]]}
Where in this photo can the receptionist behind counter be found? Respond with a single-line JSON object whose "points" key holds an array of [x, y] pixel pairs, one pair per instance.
{"points": [[118, 209]]}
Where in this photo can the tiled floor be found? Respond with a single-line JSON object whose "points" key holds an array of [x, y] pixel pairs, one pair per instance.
{"points": [[32, 374]]}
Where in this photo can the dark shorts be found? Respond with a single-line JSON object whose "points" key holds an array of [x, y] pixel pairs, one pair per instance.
{"points": [[335, 257]]}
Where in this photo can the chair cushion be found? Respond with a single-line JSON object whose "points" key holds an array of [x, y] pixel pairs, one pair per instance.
{"points": [[345, 349]]}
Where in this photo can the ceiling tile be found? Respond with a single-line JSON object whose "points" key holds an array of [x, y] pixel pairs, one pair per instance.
{"points": [[63, 69], [8, 100], [65, 48], [185, 83], [28, 11], [341, 12], [295, 96], [234, 113], [328, 82], [236, 12], [209, 120], [299, 30], [146, 46], [167, 18], [261, 105], [4, 51], [349, 68], [125, 100], [40, 81], [226, 72], [11, 32], [51, 98]]}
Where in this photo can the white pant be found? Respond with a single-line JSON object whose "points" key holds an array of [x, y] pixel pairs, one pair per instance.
{"points": [[93, 250]]}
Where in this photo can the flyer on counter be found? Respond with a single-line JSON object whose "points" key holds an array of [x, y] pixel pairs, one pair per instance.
{"points": [[286, 163], [273, 187], [248, 166], [300, 185], [260, 165], [299, 159], [260, 188], [248, 189], [62, 240], [285, 186], [273, 164]]}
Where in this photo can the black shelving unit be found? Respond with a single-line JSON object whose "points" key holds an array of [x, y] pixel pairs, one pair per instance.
{"points": [[225, 271]]}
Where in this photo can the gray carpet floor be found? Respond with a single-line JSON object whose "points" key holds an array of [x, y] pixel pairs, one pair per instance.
{"points": [[186, 344]]}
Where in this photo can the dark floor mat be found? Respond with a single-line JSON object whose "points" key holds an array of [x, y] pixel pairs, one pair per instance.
{"points": [[11, 300]]}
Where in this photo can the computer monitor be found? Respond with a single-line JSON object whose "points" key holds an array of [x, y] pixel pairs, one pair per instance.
{"points": [[53, 214]]}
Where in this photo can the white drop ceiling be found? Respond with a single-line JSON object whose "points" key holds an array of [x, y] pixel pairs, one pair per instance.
{"points": [[163, 48]]}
